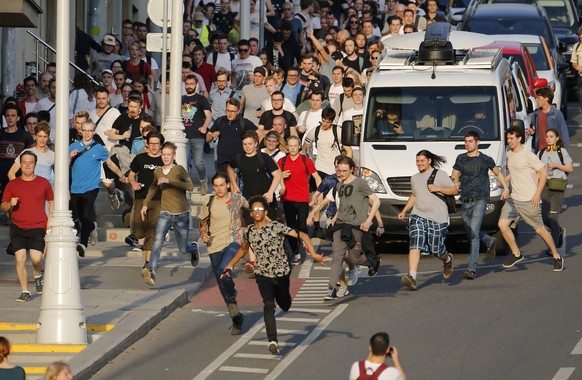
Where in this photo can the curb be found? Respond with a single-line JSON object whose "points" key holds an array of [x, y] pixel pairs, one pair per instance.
{"points": [[133, 327]]}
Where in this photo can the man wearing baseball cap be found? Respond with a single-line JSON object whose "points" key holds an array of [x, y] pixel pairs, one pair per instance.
{"points": [[102, 61]]}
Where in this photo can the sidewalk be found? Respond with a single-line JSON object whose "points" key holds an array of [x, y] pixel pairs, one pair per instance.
{"points": [[115, 298]]}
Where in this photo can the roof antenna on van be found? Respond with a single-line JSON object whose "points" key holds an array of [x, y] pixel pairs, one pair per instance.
{"points": [[433, 76], [436, 49]]}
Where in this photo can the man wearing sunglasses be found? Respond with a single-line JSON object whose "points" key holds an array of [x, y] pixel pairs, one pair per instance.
{"points": [[244, 65]]}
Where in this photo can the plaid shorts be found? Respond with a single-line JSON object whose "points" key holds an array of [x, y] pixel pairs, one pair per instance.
{"points": [[427, 235]]}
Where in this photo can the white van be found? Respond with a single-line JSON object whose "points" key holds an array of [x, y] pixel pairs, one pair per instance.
{"points": [[435, 86]]}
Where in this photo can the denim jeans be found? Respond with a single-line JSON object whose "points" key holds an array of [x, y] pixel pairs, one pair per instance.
{"points": [[197, 152], [219, 260], [472, 214], [181, 225]]}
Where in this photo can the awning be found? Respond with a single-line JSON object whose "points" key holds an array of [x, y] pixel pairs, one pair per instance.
{"points": [[19, 13]]}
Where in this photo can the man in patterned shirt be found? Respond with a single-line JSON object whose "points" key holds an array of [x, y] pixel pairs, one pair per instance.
{"points": [[272, 269]]}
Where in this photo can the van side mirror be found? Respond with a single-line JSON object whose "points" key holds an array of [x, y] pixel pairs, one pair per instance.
{"points": [[350, 134], [532, 105], [517, 123]]}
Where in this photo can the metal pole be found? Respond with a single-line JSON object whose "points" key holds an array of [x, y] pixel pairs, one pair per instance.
{"points": [[61, 319], [245, 19], [261, 29], [173, 127], [164, 62]]}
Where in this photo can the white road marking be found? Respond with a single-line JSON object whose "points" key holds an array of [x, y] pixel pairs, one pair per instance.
{"points": [[578, 349], [300, 310], [315, 291], [291, 319], [241, 369], [314, 302], [305, 269], [563, 373], [229, 352], [265, 343], [322, 268], [315, 280], [288, 332], [258, 356], [294, 354]]}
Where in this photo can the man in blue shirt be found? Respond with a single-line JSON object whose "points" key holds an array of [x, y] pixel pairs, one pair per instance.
{"points": [[86, 157], [471, 176]]}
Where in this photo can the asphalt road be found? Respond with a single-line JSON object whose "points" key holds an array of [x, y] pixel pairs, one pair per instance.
{"points": [[520, 323]]}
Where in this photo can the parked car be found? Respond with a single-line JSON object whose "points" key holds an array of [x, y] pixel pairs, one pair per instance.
{"points": [[545, 66], [511, 19], [519, 52]]}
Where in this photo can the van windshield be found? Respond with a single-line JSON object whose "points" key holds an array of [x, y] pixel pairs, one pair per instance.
{"points": [[431, 113]]}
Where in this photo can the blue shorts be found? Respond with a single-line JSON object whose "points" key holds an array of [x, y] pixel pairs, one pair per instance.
{"points": [[427, 235]]}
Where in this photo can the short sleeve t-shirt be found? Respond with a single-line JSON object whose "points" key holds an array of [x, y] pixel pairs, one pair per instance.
{"points": [[297, 184], [29, 213], [45, 163], [523, 166], [267, 243], [267, 118], [255, 180], [353, 201], [86, 170], [124, 123], [474, 176], [426, 204], [230, 140], [225, 223], [389, 373], [193, 115], [143, 165], [327, 148]]}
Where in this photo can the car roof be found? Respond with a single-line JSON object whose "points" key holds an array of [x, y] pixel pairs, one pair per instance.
{"points": [[508, 47], [507, 11], [523, 38]]}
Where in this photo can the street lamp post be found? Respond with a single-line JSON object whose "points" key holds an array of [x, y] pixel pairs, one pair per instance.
{"points": [[173, 126], [61, 319]]}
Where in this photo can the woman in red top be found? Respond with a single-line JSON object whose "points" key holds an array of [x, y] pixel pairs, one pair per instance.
{"points": [[296, 169]]}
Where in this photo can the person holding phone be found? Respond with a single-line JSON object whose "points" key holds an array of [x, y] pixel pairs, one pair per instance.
{"points": [[374, 367]]}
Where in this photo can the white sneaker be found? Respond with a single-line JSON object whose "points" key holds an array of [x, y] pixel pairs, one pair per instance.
{"points": [[353, 276], [342, 291], [274, 347], [93, 238]]}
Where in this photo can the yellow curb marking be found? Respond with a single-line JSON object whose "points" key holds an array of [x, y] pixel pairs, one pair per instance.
{"points": [[72, 348], [9, 326]]}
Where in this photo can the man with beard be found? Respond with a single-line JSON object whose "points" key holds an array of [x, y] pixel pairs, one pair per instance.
{"points": [[352, 59], [140, 178], [124, 130], [196, 116], [266, 120], [104, 117]]}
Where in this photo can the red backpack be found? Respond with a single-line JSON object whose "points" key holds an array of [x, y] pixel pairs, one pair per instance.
{"points": [[374, 376]]}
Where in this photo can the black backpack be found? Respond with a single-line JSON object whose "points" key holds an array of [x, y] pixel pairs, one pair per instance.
{"points": [[448, 199], [304, 163]]}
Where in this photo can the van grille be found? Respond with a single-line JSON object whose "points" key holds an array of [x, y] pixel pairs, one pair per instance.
{"points": [[400, 186]]}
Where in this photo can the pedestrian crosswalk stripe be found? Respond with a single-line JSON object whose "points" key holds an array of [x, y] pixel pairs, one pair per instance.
{"points": [[243, 369], [257, 356]]}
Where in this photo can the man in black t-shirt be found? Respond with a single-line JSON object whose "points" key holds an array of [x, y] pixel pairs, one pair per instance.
{"points": [[13, 140], [124, 130], [266, 120], [230, 129], [196, 116], [140, 177], [260, 175]]}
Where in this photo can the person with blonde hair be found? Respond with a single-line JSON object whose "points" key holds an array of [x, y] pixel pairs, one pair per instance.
{"points": [[7, 369], [58, 371]]}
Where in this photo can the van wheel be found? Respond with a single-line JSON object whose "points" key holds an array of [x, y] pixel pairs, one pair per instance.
{"points": [[501, 247]]}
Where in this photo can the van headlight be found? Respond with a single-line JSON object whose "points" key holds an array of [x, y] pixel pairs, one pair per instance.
{"points": [[493, 182], [373, 180]]}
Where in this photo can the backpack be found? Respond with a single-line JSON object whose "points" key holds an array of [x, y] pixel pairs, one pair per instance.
{"points": [[215, 57], [261, 163], [335, 139], [375, 375], [284, 159], [207, 219], [559, 151], [448, 199]]}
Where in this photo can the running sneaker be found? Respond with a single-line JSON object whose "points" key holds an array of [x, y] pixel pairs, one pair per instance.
{"points": [[513, 260], [148, 276], [559, 264], [274, 347], [132, 240], [470, 274], [24, 296], [38, 283], [93, 235], [408, 281], [491, 251], [249, 267], [342, 291], [296, 260], [448, 268], [374, 270], [353, 275], [237, 323], [194, 258], [81, 250], [331, 294], [114, 200]]}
